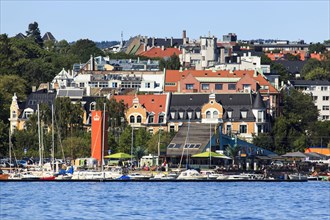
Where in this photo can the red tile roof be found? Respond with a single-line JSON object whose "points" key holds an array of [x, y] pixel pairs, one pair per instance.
{"points": [[158, 52], [174, 76], [152, 103]]}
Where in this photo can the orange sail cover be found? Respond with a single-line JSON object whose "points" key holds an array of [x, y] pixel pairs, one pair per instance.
{"points": [[97, 135]]}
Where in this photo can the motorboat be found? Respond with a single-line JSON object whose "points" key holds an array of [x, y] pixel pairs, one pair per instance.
{"points": [[233, 177], [191, 175], [163, 176], [297, 176], [210, 174], [138, 176]]}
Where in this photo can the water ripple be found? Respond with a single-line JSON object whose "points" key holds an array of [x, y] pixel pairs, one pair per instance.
{"points": [[161, 200]]}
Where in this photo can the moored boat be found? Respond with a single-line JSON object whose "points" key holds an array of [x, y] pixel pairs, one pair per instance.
{"points": [[191, 175]]}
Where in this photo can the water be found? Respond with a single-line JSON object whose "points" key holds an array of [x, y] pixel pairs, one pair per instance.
{"points": [[161, 200]]}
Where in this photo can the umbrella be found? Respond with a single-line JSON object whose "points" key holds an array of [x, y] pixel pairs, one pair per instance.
{"points": [[213, 154], [118, 156], [295, 154]]}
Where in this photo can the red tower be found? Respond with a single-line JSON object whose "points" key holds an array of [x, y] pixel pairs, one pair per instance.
{"points": [[99, 134]]}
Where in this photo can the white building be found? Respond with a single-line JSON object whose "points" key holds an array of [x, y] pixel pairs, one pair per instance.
{"points": [[320, 91], [201, 54]]}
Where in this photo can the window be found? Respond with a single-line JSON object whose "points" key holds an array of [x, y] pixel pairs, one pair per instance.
{"points": [[325, 98], [147, 85], [161, 119], [259, 128], [243, 129], [325, 117], [14, 114], [325, 107], [81, 84], [189, 86], [218, 86], [231, 86], [205, 86], [92, 106], [172, 128], [243, 114], [215, 114], [139, 119], [229, 114], [131, 119], [260, 116], [324, 88], [246, 87], [114, 85], [314, 98], [151, 119], [208, 114], [28, 114], [203, 58], [228, 129]]}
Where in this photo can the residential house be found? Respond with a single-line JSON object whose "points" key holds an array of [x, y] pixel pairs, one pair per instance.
{"points": [[148, 111], [20, 112], [319, 90], [206, 81], [200, 118]]}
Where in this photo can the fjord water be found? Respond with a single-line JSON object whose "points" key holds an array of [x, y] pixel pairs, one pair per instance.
{"points": [[164, 200]]}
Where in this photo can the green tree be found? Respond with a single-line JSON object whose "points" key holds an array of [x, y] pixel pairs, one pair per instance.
{"points": [[318, 74], [310, 65], [265, 60], [319, 133], [4, 139], [291, 128], [172, 63], [125, 141], [34, 33], [318, 48], [10, 84], [292, 57], [281, 70], [265, 141], [84, 48], [77, 147]]}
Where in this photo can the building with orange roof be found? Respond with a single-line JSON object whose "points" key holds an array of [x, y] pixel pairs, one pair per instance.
{"points": [[160, 52], [223, 81], [147, 111]]}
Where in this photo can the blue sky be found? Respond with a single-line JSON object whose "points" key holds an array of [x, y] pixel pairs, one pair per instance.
{"points": [[104, 20]]}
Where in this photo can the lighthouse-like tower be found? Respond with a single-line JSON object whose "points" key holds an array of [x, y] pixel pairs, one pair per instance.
{"points": [[99, 135]]}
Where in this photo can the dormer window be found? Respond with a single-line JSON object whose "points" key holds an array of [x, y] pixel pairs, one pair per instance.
{"points": [[181, 114], [243, 113], [151, 119], [229, 113], [172, 114], [198, 114], [161, 118]]}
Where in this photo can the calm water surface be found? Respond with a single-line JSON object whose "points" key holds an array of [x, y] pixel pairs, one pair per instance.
{"points": [[154, 200]]}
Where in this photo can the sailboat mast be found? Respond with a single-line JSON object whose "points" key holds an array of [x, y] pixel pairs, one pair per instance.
{"points": [[39, 133], [53, 138], [210, 146], [103, 131]]}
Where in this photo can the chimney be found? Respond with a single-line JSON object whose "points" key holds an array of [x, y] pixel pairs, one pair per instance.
{"points": [[91, 67], [162, 47], [171, 41], [153, 41], [184, 37]]}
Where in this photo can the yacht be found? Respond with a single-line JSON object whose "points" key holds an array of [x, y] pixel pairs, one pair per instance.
{"points": [[191, 175]]}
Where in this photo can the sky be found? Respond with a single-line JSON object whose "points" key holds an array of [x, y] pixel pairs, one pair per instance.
{"points": [[105, 20]]}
